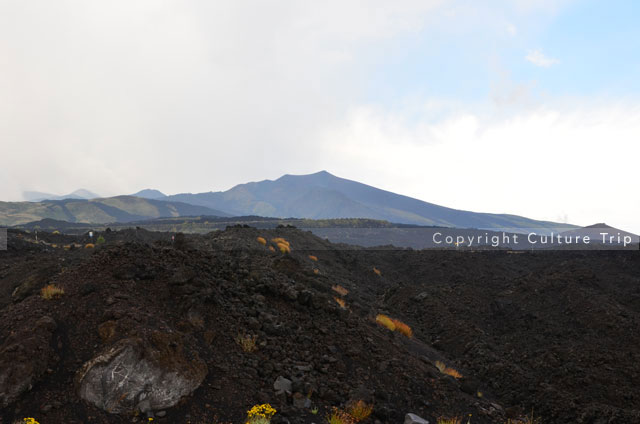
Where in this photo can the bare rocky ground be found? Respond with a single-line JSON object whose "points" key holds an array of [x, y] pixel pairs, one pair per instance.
{"points": [[148, 327]]}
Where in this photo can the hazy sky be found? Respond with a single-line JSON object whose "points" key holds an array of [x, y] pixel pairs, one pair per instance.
{"points": [[529, 107]]}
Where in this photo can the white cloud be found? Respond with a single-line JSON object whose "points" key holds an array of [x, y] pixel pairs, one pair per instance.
{"points": [[539, 59], [546, 6], [118, 95], [544, 162], [198, 95], [512, 29]]}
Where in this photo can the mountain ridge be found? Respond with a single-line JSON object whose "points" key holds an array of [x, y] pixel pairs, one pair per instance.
{"points": [[320, 195], [36, 196], [324, 196], [98, 211]]}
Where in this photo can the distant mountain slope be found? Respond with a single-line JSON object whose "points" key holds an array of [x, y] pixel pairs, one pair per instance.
{"points": [[36, 196], [596, 232], [150, 194], [98, 211], [322, 195]]}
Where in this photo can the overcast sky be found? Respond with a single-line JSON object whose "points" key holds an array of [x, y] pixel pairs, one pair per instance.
{"points": [[529, 107]]}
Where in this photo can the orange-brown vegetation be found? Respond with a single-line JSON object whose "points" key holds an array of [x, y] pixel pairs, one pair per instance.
{"points": [[454, 420], [51, 291], [385, 321], [359, 410], [339, 417], [247, 342], [283, 245], [403, 328], [340, 290], [446, 370], [284, 248]]}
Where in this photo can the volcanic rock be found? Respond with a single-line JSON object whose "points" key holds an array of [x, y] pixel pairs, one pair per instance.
{"points": [[144, 374]]}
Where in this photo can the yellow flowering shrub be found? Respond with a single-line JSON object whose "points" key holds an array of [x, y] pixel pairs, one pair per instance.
{"points": [[260, 414]]}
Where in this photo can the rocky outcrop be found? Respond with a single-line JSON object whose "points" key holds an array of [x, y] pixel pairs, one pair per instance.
{"points": [[146, 373]]}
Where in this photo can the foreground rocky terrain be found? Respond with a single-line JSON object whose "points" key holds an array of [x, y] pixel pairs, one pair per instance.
{"points": [[150, 326]]}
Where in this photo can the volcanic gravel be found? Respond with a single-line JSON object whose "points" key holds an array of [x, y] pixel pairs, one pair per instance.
{"points": [[556, 333]]}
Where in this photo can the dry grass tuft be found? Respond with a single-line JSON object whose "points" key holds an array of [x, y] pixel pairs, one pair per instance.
{"points": [[385, 321], [284, 248], [277, 240], [273, 249], [51, 291], [453, 373], [403, 328], [446, 370], [316, 271], [339, 417], [340, 302], [359, 410], [247, 342], [394, 325], [283, 245], [313, 258], [377, 271], [454, 420], [89, 246], [262, 241], [340, 290]]}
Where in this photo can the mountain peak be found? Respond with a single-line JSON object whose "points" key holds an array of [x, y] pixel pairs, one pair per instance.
{"points": [[150, 193], [598, 225], [36, 196], [322, 173]]}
